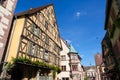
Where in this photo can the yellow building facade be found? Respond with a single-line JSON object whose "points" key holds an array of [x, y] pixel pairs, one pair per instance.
{"points": [[34, 45]]}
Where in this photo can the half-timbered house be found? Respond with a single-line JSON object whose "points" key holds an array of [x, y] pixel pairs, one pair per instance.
{"points": [[34, 45]]}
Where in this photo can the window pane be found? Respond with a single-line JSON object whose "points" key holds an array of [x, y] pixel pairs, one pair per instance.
{"points": [[45, 55], [32, 27], [73, 57], [46, 25], [37, 52], [74, 67], [31, 48], [63, 68], [47, 40], [39, 33], [63, 57], [35, 30], [67, 78]]}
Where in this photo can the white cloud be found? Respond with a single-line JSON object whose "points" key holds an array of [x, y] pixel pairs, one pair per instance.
{"points": [[78, 14]]}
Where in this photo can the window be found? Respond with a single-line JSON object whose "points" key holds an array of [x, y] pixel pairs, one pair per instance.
{"points": [[37, 52], [57, 49], [34, 29], [65, 78], [74, 67], [55, 46], [63, 57], [73, 57], [46, 25], [52, 12], [47, 40], [53, 56], [45, 55], [54, 24], [93, 74], [63, 68], [39, 33], [48, 14], [31, 48]]}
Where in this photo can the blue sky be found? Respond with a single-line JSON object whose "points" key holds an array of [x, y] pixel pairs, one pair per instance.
{"points": [[80, 22]]}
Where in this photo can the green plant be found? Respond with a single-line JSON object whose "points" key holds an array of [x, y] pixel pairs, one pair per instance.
{"points": [[54, 74], [9, 66], [27, 60], [86, 78], [51, 66], [57, 69], [36, 63], [22, 60]]}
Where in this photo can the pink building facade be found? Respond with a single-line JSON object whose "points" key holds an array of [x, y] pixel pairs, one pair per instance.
{"points": [[7, 8]]}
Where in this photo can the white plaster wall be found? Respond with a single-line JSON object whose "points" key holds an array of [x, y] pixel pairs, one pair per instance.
{"points": [[65, 52], [80, 69]]}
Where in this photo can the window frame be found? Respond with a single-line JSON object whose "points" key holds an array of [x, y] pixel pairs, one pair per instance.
{"points": [[63, 57], [63, 67], [46, 25], [31, 49], [47, 39], [65, 78], [75, 67], [37, 52], [45, 55], [73, 57]]}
